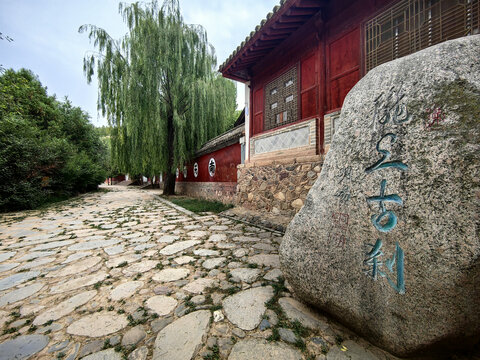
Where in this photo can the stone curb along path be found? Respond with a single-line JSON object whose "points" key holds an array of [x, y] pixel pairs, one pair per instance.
{"points": [[121, 274]]}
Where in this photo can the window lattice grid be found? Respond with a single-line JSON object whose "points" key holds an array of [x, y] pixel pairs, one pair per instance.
{"points": [[413, 25], [281, 100]]}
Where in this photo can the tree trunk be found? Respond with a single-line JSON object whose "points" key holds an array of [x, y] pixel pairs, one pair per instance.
{"points": [[169, 187], [169, 184]]}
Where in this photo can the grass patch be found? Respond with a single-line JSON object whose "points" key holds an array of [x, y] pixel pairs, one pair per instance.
{"points": [[275, 335], [9, 331], [232, 290], [300, 344], [199, 205], [283, 322], [32, 328], [215, 355], [299, 329], [55, 200], [215, 307]]}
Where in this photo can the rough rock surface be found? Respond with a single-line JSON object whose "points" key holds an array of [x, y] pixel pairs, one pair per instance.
{"points": [[134, 336], [98, 324], [161, 304], [20, 294], [350, 350], [65, 307], [260, 349], [22, 347], [199, 285], [179, 246], [245, 274], [174, 274], [182, 338], [109, 354], [245, 309], [295, 310], [388, 238], [139, 354], [125, 290]]}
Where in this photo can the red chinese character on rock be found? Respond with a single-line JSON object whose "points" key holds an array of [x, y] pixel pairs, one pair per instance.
{"points": [[339, 229], [435, 117]]}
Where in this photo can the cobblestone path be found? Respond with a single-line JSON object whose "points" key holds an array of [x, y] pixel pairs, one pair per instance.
{"points": [[124, 274]]}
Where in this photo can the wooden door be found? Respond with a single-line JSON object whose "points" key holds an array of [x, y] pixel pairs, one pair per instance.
{"points": [[343, 67]]}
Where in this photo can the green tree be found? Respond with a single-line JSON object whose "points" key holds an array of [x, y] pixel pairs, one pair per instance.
{"points": [[28, 161], [49, 148], [158, 89], [22, 94]]}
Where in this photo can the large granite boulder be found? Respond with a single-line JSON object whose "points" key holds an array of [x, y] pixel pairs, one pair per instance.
{"points": [[388, 239]]}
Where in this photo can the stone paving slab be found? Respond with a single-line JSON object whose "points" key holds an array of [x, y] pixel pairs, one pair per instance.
{"points": [[258, 349], [124, 270], [182, 338], [22, 347], [20, 293]]}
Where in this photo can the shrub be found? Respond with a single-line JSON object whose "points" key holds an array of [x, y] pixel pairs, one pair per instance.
{"points": [[49, 149]]}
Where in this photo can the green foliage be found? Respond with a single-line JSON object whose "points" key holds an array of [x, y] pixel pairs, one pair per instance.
{"points": [[214, 355], [81, 173], [49, 149], [103, 131], [159, 89], [299, 329], [275, 335], [300, 344]]}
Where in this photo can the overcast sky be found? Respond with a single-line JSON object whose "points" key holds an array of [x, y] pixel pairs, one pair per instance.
{"points": [[46, 38]]}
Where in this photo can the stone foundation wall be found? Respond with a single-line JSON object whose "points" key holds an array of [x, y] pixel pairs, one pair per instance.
{"points": [[219, 191], [276, 188]]}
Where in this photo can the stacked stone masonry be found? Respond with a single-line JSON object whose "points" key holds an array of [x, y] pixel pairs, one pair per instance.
{"points": [[218, 191], [280, 189]]}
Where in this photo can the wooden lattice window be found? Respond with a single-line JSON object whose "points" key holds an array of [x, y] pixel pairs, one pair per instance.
{"points": [[281, 100], [413, 25]]}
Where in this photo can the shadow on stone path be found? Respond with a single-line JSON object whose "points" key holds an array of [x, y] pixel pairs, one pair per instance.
{"points": [[121, 274]]}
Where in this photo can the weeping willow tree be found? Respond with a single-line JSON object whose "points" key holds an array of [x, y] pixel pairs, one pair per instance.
{"points": [[158, 89]]}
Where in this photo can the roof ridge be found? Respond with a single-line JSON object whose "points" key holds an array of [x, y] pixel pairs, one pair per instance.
{"points": [[275, 9]]}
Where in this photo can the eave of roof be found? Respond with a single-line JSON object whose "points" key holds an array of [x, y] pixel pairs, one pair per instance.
{"points": [[226, 139], [279, 24]]}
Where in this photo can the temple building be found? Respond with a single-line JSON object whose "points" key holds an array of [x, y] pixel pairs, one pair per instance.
{"points": [[299, 64]]}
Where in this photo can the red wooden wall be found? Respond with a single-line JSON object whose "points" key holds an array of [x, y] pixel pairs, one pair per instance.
{"points": [[226, 160], [309, 86], [258, 110], [343, 67], [329, 59]]}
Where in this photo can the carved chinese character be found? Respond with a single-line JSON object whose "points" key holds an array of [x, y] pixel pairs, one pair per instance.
{"points": [[343, 194], [345, 174], [374, 265], [435, 117], [396, 112], [382, 163], [339, 229], [391, 218], [372, 260]]}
